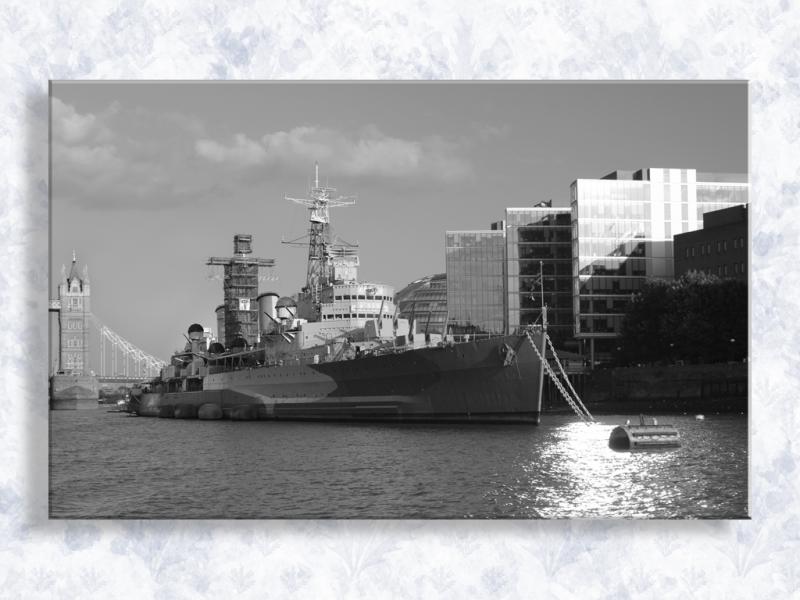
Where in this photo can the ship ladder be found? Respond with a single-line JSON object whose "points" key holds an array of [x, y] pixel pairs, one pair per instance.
{"points": [[578, 407]]}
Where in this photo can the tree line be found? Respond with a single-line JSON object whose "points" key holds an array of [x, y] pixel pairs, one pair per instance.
{"points": [[697, 318]]}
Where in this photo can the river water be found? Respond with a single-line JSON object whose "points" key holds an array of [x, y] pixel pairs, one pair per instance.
{"points": [[105, 464]]}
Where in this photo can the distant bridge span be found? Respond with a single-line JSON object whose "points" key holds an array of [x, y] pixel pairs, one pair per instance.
{"points": [[125, 359], [120, 361]]}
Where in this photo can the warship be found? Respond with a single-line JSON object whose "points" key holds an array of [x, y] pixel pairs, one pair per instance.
{"points": [[338, 350]]}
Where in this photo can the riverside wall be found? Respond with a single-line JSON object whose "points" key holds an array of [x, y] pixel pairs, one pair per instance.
{"points": [[669, 388]]}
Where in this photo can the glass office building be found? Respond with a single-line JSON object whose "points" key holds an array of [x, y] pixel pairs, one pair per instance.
{"points": [[424, 301], [622, 234], [475, 262], [539, 241]]}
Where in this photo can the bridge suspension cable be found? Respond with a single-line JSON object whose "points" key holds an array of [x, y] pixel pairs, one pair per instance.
{"points": [[126, 359]]}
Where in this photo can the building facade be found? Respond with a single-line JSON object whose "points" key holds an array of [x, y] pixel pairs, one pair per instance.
{"points": [[539, 267], [719, 248], [475, 263], [424, 302], [622, 234]]}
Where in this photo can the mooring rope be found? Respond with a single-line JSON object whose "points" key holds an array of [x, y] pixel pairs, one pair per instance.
{"points": [[586, 417], [564, 375]]}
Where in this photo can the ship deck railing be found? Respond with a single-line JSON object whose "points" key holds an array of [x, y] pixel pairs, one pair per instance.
{"points": [[471, 337], [254, 357]]}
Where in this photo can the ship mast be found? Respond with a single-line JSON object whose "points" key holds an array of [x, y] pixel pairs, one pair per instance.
{"points": [[321, 248]]}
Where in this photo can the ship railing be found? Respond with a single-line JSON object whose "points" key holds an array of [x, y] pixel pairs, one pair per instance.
{"points": [[471, 337]]}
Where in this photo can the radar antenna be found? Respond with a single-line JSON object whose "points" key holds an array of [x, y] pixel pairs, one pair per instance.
{"points": [[321, 199], [322, 250]]}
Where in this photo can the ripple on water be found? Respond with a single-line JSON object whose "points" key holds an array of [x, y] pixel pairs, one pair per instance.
{"points": [[111, 465]]}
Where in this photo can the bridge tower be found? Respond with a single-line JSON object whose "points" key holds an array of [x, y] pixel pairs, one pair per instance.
{"points": [[74, 312]]}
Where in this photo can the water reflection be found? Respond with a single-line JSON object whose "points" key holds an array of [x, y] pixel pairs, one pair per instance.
{"points": [[575, 474], [165, 468]]}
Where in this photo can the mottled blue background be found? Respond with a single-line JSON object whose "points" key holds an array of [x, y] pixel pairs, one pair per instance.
{"points": [[757, 41]]}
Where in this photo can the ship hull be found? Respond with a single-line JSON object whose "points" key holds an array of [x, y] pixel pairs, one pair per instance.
{"points": [[488, 381]]}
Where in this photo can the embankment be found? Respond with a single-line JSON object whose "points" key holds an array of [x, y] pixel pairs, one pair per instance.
{"points": [[672, 388]]}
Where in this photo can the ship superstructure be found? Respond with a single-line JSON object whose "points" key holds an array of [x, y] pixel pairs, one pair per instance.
{"points": [[240, 290], [339, 351]]}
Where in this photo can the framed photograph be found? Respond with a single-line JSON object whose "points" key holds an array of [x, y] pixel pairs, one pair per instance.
{"points": [[399, 300]]}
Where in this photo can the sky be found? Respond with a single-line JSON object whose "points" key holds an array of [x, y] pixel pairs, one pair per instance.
{"points": [[149, 179]]}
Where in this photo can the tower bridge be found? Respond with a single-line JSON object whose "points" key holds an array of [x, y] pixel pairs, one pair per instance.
{"points": [[86, 347]]}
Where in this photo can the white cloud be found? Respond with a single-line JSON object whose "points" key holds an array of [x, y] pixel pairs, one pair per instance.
{"points": [[243, 151], [71, 127], [85, 160], [84, 154], [367, 152], [120, 157], [123, 158]]}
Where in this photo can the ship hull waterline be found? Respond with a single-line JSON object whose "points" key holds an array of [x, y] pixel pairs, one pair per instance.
{"points": [[487, 381]]}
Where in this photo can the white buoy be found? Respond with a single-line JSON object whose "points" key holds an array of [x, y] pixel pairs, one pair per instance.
{"points": [[699, 417]]}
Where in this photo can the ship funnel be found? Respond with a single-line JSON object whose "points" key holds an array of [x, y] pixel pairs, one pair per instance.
{"points": [[195, 332], [267, 312]]}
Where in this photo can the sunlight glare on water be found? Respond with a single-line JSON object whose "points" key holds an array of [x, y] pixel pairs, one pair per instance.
{"points": [[111, 465]]}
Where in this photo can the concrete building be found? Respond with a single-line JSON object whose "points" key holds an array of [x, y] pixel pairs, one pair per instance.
{"points": [[719, 248], [623, 227]]}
